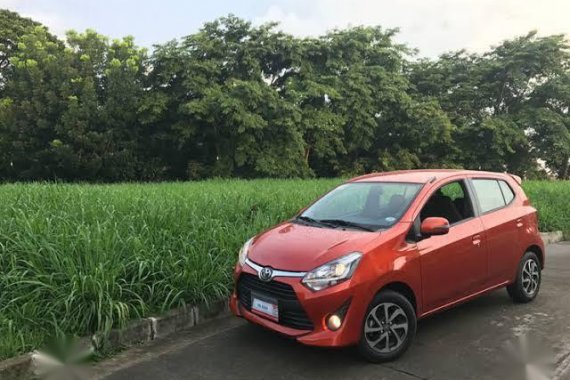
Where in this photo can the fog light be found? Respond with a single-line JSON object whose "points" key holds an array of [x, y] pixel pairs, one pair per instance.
{"points": [[334, 322]]}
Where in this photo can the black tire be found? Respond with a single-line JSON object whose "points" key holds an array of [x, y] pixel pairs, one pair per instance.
{"points": [[387, 297], [518, 290]]}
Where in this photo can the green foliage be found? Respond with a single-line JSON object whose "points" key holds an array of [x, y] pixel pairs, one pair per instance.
{"points": [[34, 97], [238, 100], [68, 113], [495, 102], [77, 259], [12, 28], [548, 120], [551, 200], [98, 130]]}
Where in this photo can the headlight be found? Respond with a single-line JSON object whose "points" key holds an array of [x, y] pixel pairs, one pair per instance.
{"points": [[243, 252], [332, 273]]}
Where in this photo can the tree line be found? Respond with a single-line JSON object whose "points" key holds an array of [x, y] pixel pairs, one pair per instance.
{"points": [[235, 99]]}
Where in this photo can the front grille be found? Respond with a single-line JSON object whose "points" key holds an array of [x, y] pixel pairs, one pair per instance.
{"points": [[291, 313]]}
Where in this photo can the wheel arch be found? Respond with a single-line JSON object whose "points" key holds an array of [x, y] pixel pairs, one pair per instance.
{"points": [[538, 251], [405, 290]]}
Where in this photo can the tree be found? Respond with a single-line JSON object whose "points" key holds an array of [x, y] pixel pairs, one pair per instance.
{"points": [[311, 88], [12, 28], [384, 127], [234, 99], [490, 97], [547, 118], [71, 113], [215, 95], [33, 100], [100, 132]]}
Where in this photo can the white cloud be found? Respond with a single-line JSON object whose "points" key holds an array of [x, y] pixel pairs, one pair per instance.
{"points": [[433, 26], [53, 21], [8, 3]]}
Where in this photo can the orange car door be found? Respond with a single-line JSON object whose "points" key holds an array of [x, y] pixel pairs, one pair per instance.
{"points": [[453, 265], [502, 224]]}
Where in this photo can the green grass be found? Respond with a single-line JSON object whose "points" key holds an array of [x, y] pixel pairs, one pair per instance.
{"points": [[552, 199], [76, 259]]}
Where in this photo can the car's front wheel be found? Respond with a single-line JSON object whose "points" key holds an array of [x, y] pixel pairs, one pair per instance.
{"points": [[389, 327], [526, 286]]}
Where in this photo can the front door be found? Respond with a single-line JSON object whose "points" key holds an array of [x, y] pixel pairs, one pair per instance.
{"points": [[453, 265]]}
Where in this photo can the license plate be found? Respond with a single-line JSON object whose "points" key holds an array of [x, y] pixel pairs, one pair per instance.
{"points": [[265, 306]]}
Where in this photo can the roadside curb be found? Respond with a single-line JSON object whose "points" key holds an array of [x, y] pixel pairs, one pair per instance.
{"points": [[135, 332], [552, 237], [16, 368]]}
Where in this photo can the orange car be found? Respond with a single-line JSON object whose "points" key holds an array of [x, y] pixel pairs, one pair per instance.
{"points": [[364, 262]]}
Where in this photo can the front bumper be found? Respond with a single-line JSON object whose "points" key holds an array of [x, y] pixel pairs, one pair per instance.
{"points": [[318, 306]]}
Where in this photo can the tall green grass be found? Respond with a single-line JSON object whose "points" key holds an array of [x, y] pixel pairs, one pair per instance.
{"points": [[552, 200], [75, 259]]}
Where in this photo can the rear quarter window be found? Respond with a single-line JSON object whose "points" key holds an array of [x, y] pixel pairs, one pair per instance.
{"points": [[507, 192], [489, 194]]}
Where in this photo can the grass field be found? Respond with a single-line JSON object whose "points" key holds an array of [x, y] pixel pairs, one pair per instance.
{"points": [[76, 259]]}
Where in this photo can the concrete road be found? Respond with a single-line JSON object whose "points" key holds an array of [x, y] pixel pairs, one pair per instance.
{"points": [[469, 342]]}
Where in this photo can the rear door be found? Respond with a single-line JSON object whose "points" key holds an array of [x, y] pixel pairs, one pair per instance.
{"points": [[494, 199]]}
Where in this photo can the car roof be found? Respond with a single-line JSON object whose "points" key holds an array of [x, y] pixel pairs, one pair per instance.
{"points": [[421, 176]]}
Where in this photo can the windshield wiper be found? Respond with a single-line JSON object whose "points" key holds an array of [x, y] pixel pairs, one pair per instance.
{"points": [[310, 220], [345, 223]]}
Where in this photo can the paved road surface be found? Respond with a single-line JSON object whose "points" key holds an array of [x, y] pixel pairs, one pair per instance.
{"points": [[467, 342]]}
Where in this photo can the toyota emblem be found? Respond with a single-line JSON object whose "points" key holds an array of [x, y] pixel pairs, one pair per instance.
{"points": [[265, 274]]}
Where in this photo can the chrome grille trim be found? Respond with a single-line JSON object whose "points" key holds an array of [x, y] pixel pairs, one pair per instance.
{"points": [[276, 273]]}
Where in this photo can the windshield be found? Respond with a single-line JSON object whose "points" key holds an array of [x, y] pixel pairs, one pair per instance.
{"points": [[364, 205]]}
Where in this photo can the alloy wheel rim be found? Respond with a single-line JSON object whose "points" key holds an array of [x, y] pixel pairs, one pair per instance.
{"points": [[530, 277], [386, 327]]}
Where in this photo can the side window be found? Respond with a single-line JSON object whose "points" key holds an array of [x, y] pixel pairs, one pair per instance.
{"points": [[507, 192], [451, 202], [489, 194]]}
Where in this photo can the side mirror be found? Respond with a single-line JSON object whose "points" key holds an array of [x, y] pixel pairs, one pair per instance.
{"points": [[434, 226]]}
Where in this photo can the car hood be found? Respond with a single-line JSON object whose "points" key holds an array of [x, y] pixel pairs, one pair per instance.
{"points": [[296, 247]]}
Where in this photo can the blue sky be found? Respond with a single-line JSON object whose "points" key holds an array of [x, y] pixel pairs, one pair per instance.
{"points": [[432, 26]]}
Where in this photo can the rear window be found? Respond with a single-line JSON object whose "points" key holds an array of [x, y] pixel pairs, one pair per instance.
{"points": [[489, 194]]}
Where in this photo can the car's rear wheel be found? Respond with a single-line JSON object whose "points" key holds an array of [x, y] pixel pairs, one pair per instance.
{"points": [[389, 327], [526, 286]]}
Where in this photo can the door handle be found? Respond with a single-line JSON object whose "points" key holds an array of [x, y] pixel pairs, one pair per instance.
{"points": [[519, 222], [477, 240]]}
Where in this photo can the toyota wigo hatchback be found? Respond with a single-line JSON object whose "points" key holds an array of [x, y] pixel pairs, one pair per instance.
{"points": [[365, 261]]}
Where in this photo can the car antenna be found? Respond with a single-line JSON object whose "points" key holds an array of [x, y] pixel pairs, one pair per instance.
{"points": [[432, 179]]}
